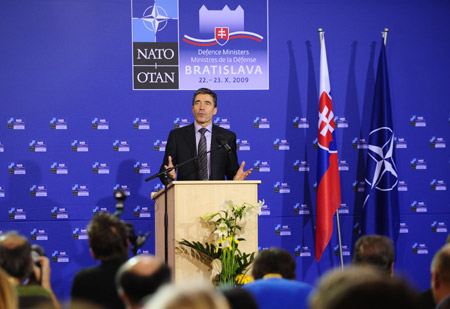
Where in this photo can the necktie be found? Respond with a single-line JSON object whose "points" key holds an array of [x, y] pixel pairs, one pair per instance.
{"points": [[203, 159]]}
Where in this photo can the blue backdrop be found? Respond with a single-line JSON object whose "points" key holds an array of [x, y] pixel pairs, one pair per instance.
{"points": [[72, 129]]}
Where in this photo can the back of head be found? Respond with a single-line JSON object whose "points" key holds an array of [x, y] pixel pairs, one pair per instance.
{"points": [[375, 250], [274, 261], [187, 296], [361, 287], [141, 276], [108, 237], [15, 255]]}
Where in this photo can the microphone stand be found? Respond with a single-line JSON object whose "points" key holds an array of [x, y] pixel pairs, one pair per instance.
{"points": [[166, 181]]}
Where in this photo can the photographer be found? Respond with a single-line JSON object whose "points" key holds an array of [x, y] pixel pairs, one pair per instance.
{"points": [[17, 261]]}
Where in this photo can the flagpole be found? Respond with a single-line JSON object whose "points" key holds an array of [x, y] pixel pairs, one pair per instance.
{"points": [[385, 33], [341, 255]]}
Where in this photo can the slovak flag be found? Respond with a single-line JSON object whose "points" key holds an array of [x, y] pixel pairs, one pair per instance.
{"points": [[328, 188]]}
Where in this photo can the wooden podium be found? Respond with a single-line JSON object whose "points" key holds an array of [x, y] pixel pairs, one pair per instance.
{"points": [[187, 202]]}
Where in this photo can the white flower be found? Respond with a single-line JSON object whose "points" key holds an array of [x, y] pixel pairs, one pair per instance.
{"points": [[216, 266], [221, 230], [207, 217], [227, 205]]}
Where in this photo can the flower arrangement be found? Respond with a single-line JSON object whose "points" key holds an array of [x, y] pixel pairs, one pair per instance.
{"points": [[229, 265]]}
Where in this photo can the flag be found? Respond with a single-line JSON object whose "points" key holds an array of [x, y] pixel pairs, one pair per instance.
{"points": [[328, 188], [381, 213]]}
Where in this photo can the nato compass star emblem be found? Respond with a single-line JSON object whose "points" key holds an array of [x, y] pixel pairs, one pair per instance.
{"points": [[384, 172], [155, 18]]}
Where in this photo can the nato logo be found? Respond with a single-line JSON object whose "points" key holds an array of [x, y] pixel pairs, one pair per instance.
{"points": [[2, 192], [59, 168], [38, 191], [17, 214], [100, 124], [261, 123], [243, 145], [301, 209], [39, 234], [38, 146], [98, 209], [345, 250], [261, 166], [58, 124], [358, 186], [419, 207], [438, 185], [417, 121], [403, 228], [437, 142], [282, 230], [143, 251], [141, 124], [419, 248], [60, 256], [142, 212], [2, 147], [181, 122], [16, 169], [343, 166], [124, 188], [301, 123], [80, 233], [158, 187], [159, 145], [438, 227], [418, 164], [280, 187], [141, 168], [100, 168], [281, 144], [80, 190], [359, 143], [341, 122], [80, 146], [302, 251], [357, 228], [265, 210], [400, 143], [301, 166], [59, 213], [316, 143], [121, 146], [402, 186], [16, 124], [222, 122], [343, 209]]}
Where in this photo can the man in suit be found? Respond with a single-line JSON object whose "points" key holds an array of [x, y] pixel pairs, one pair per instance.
{"points": [[184, 144]]}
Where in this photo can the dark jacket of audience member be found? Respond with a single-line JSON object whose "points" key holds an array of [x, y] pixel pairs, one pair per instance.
{"points": [[108, 243]]}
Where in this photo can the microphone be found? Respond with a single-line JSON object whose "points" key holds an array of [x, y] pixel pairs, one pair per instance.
{"points": [[222, 142]]}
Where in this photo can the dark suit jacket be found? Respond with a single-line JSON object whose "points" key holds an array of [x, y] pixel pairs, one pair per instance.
{"points": [[181, 146]]}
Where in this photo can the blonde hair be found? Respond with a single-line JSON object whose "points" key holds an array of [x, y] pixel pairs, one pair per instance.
{"points": [[8, 296]]}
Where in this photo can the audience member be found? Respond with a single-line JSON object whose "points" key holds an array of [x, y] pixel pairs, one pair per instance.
{"points": [[189, 295], [362, 287], [16, 260], [8, 296], [108, 244], [440, 277], [139, 277], [274, 285], [239, 298], [375, 250]]}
